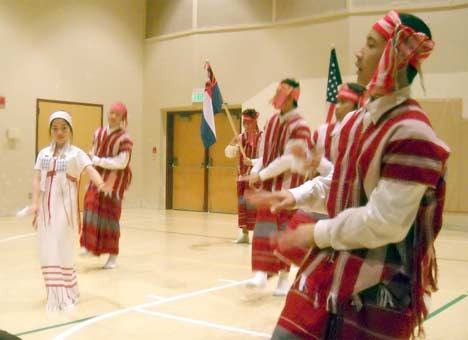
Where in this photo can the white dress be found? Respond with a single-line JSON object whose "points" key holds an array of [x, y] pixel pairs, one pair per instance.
{"points": [[57, 222]]}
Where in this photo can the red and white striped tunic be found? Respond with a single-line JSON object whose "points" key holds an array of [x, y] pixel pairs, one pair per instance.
{"points": [[401, 145], [322, 139], [110, 144], [101, 228], [246, 212], [251, 151], [278, 133]]}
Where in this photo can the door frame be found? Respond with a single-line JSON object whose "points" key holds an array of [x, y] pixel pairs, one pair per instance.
{"points": [[39, 100], [168, 117]]}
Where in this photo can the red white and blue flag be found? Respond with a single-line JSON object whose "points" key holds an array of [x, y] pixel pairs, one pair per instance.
{"points": [[334, 79], [212, 104]]}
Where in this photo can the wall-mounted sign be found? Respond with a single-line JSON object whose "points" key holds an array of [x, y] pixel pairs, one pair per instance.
{"points": [[197, 95]]}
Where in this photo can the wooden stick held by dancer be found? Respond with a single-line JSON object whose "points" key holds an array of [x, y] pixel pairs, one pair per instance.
{"points": [[234, 130]]}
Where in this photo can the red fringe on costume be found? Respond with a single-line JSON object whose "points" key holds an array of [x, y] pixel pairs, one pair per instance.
{"points": [[263, 251], [297, 255], [246, 213], [101, 228]]}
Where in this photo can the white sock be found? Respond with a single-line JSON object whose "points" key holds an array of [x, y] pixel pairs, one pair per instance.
{"points": [[282, 287], [83, 251], [259, 280], [110, 264], [243, 237]]}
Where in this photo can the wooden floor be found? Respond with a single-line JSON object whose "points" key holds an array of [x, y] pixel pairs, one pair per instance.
{"points": [[179, 276]]}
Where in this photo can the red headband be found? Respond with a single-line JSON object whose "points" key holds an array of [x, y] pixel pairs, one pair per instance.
{"points": [[346, 93], [404, 46], [122, 109], [283, 92]]}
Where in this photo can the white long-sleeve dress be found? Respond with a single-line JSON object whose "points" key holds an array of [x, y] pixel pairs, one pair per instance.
{"points": [[57, 222]]}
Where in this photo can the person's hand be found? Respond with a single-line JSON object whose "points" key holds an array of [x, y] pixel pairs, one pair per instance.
{"points": [[309, 162], [260, 198], [314, 162], [299, 151], [34, 210], [284, 201], [107, 186], [248, 162], [268, 199], [302, 237], [254, 179]]}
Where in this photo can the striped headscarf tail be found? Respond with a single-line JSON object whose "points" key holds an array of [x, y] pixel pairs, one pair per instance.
{"points": [[404, 47]]}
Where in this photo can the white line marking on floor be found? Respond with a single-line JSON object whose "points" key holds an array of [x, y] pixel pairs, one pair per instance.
{"points": [[203, 323], [228, 281], [104, 316], [11, 238]]}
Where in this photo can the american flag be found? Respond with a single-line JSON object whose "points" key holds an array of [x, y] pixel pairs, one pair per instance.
{"points": [[334, 80]]}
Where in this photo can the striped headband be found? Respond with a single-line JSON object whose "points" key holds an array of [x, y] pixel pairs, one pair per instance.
{"points": [[404, 46], [122, 109], [346, 93], [283, 92]]}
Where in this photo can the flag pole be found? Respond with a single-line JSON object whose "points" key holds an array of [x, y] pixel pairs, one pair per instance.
{"points": [[234, 130]]}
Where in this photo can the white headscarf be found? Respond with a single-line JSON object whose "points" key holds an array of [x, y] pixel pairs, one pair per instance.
{"points": [[65, 116], [61, 114]]}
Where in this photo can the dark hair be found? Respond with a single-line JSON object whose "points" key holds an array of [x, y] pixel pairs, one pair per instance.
{"points": [[293, 83], [418, 25], [358, 89], [69, 126], [250, 112]]}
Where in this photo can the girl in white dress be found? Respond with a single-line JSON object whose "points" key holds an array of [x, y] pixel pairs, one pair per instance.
{"points": [[55, 209]]}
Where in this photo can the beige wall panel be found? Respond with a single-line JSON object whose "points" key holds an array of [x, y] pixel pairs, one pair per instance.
{"points": [[228, 12], [168, 16], [168, 76], [445, 115], [450, 51], [293, 9]]}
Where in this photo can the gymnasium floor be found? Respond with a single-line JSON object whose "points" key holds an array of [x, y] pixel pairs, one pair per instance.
{"points": [[179, 276]]}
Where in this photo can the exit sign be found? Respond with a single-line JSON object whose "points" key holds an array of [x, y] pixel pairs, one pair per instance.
{"points": [[197, 95]]}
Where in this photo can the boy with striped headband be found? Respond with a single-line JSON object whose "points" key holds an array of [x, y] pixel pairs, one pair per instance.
{"points": [[350, 97], [111, 155], [275, 171], [250, 140]]}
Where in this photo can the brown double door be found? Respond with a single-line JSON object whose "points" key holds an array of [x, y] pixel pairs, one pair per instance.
{"points": [[199, 179]]}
